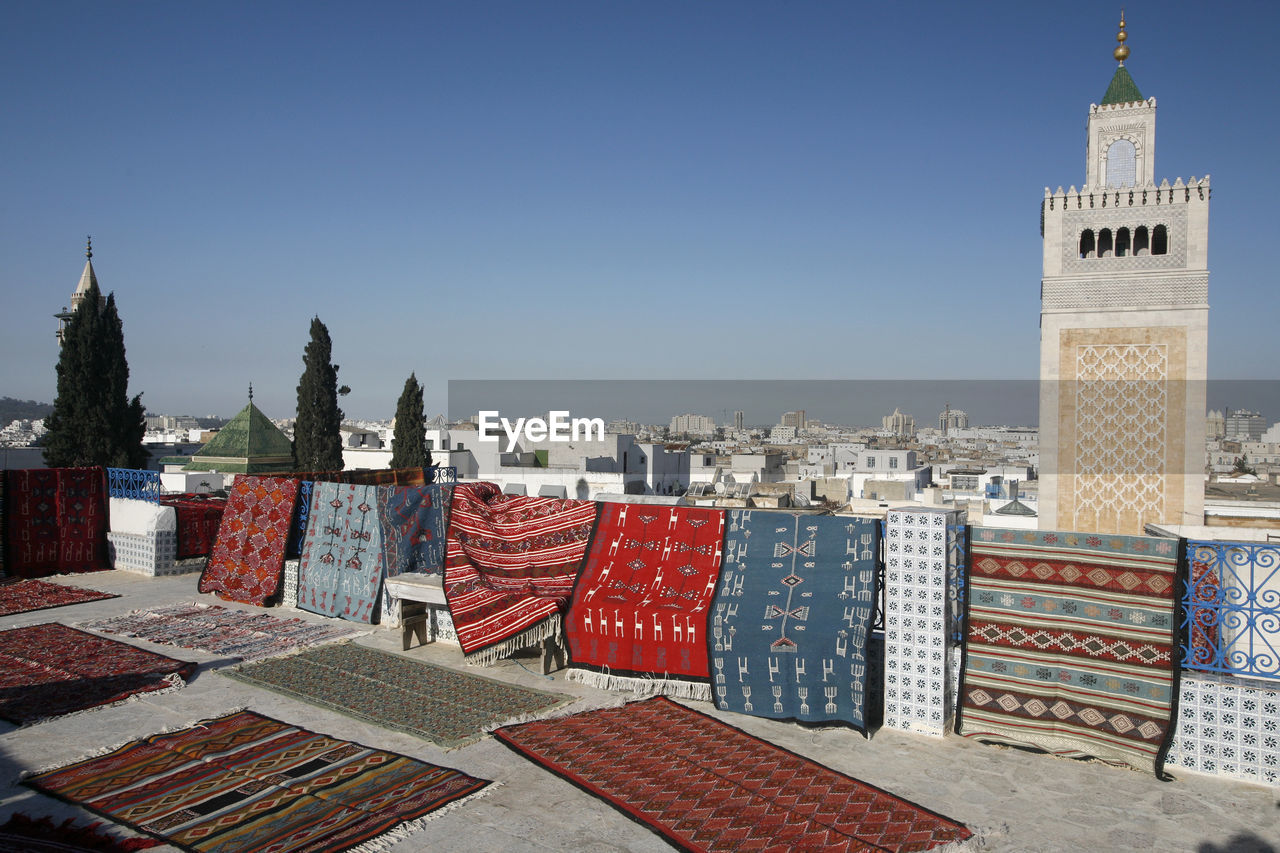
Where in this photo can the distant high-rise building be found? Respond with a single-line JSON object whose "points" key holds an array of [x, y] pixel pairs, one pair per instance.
{"points": [[793, 419], [1215, 425], [1243, 425], [87, 278], [899, 424], [737, 421], [1124, 329], [693, 425], [951, 419]]}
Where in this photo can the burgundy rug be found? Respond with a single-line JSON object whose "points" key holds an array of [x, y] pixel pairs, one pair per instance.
{"points": [[25, 595], [705, 785], [55, 521], [48, 670], [22, 834], [198, 519], [247, 562]]}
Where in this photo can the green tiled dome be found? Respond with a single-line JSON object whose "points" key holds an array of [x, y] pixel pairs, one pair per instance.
{"points": [[1122, 89]]}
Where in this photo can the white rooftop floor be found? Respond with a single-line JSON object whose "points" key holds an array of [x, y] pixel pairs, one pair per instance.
{"points": [[1016, 801]]}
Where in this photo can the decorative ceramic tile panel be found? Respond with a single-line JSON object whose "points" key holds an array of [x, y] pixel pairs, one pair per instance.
{"points": [[920, 546], [1228, 726]]}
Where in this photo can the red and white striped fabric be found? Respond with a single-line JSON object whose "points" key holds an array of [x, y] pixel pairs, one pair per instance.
{"points": [[511, 566]]}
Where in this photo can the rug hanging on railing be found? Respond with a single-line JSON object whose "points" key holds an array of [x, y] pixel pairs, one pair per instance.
{"points": [[246, 782], [510, 568], [414, 523], [639, 615], [342, 570], [247, 562], [199, 517], [705, 785], [388, 477], [26, 595], [445, 706], [1070, 644], [55, 521], [49, 670], [223, 631], [792, 616]]}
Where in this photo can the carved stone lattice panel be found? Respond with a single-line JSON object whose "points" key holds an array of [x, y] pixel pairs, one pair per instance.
{"points": [[1108, 293], [1173, 217]]}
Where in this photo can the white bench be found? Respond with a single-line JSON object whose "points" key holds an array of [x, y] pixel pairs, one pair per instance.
{"points": [[418, 594]]}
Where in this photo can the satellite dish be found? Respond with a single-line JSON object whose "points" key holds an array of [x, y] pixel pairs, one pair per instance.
{"points": [[719, 488]]}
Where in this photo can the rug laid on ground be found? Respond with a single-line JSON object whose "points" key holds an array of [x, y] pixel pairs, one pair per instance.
{"points": [[792, 616], [55, 521], [342, 569], [199, 517], [49, 670], [705, 785], [510, 567], [1070, 644], [23, 834], [638, 619], [223, 631], [26, 595], [246, 782], [445, 706], [247, 561]]}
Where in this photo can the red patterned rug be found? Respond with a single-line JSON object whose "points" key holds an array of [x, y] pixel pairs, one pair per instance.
{"points": [[639, 612], [55, 521], [21, 834], [705, 785], [247, 563], [510, 567], [48, 670], [199, 517], [24, 596]]}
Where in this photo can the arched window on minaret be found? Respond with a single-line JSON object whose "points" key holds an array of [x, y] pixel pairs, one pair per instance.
{"points": [[1160, 240], [1122, 242], [1087, 246], [1104, 243], [1141, 240], [1122, 164]]}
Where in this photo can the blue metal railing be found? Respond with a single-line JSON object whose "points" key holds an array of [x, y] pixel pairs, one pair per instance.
{"points": [[1231, 608], [134, 484], [877, 617], [444, 473]]}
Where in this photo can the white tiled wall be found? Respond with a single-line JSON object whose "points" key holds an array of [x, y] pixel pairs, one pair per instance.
{"points": [[1227, 727]]}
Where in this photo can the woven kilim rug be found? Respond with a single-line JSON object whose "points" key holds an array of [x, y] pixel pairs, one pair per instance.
{"points": [[48, 670], [447, 707], [199, 517], [222, 631], [1070, 644], [705, 785], [510, 568], [245, 782], [342, 570], [22, 834], [414, 533], [639, 613], [24, 596], [55, 521], [792, 616], [247, 562]]}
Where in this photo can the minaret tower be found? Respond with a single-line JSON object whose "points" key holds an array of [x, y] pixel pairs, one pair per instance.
{"points": [[1124, 330], [86, 278]]}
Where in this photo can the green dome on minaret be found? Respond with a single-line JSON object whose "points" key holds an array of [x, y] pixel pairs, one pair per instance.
{"points": [[1122, 89]]}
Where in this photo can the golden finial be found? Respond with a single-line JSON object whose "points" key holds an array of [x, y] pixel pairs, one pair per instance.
{"points": [[88, 247], [1121, 53]]}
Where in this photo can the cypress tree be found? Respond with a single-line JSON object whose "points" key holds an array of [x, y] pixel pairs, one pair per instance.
{"points": [[93, 421], [317, 440], [409, 443]]}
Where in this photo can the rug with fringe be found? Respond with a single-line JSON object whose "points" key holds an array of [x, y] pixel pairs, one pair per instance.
{"points": [[23, 834], [510, 567], [639, 613], [223, 631], [445, 706], [50, 669], [792, 616], [247, 562], [246, 782], [1070, 644], [24, 596], [705, 785]]}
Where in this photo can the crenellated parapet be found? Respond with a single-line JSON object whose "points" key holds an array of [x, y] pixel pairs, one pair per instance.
{"points": [[1090, 198]]}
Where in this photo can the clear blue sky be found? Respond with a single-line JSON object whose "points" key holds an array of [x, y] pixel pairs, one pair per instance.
{"points": [[594, 190]]}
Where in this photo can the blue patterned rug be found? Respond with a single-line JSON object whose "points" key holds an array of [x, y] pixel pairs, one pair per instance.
{"points": [[792, 615]]}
